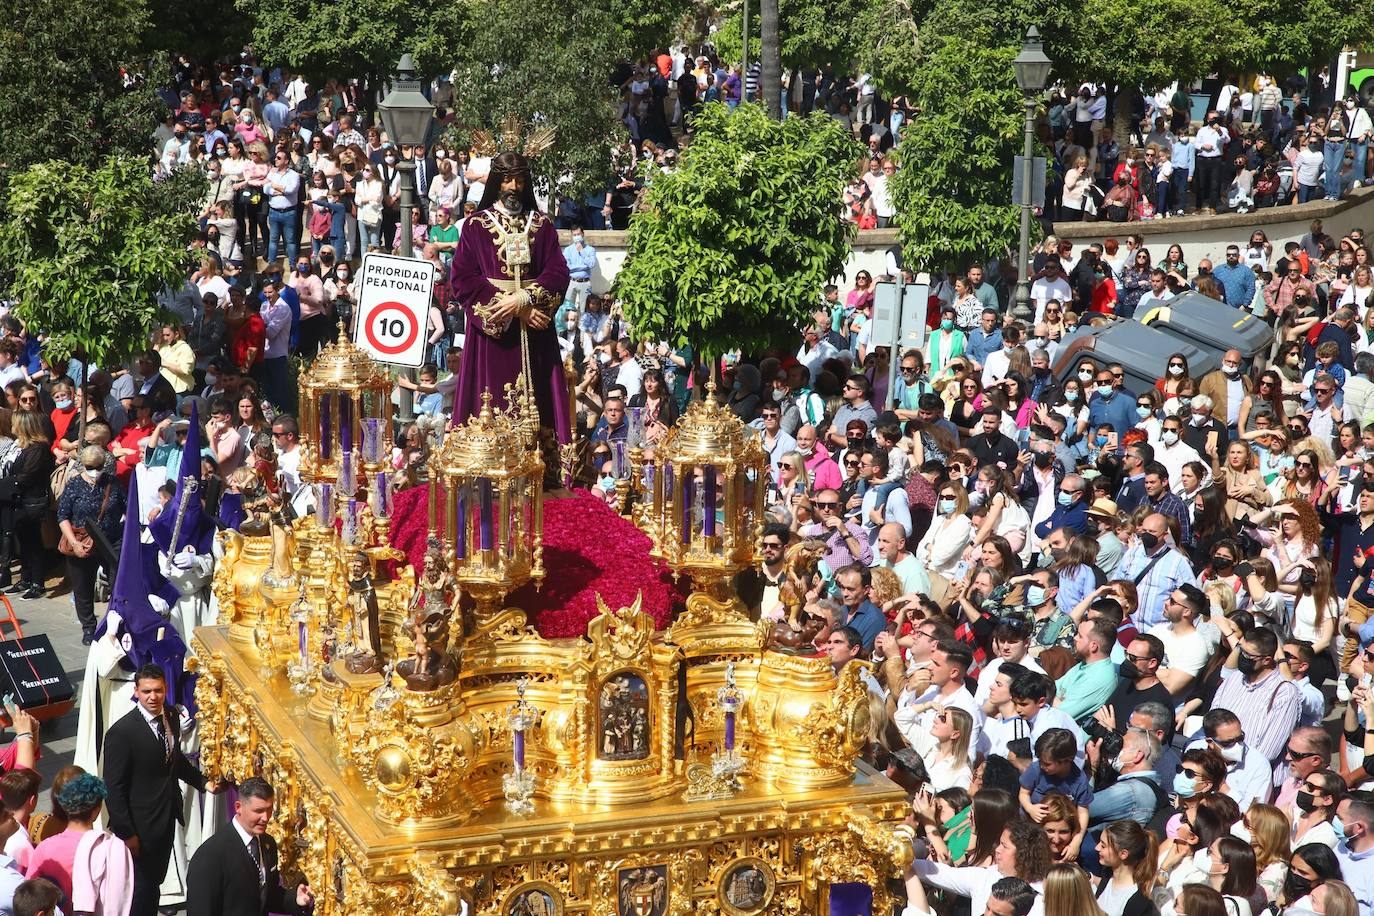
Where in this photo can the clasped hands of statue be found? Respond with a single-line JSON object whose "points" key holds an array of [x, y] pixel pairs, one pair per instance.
{"points": [[518, 305]]}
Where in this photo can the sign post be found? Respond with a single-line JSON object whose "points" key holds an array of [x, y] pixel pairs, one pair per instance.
{"points": [[393, 308]]}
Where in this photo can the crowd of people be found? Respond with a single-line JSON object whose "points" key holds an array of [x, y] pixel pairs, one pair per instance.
{"points": [[1120, 641], [1257, 148]]}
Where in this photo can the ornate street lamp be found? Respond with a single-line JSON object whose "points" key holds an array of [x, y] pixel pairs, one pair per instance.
{"points": [[407, 116], [1032, 73]]}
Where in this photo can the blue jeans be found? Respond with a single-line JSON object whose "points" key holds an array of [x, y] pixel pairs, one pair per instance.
{"points": [[1178, 190], [281, 223], [1361, 148], [1308, 192], [372, 235], [1162, 197], [338, 220], [1333, 157]]}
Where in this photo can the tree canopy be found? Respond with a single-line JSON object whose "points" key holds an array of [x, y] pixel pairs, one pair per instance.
{"points": [[731, 249], [62, 68], [90, 249]]}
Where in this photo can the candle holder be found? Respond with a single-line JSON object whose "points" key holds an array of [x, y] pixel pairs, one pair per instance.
{"points": [[721, 779], [706, 514], [518, 785], [489, 503], [300, 671], [345, 411]]}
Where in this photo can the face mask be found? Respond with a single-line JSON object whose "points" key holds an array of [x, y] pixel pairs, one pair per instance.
{"points": [[1043, 460], [1220, 562], [946, 507], [1175, 370], [1129, 671], [390, 160], [63, 404], [1035, 596], [1246, 666], [1241, 832], [91, 473], [1071, 396], [1295, 886], [946, 324], [1100, 440], [1185, 401], [303, 268], [367, 176], [440, 154], [1143, 412], [1149, 541], [222, 153], [1230, 370], [1199, 419], [577, 240], [1117, 764], [1307, 579], [1065, 499], [1184, 785], [1233, 754], [1168, 437], [1105, 391], [1338, 826], [1130, 162], [1085, 376], [1306, 801], [607, 484], [342, 273], [1350, 104]]}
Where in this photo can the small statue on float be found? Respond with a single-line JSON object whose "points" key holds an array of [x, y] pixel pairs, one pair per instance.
{"points": [[796, 632], [257, 481], [433, 665], [364, 618]]}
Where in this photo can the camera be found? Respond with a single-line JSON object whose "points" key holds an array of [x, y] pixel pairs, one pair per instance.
{"points": [[1111, 741]]}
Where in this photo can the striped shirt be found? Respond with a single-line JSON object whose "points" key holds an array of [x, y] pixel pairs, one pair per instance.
{"points": [[1267, 709], [1172, 570]]}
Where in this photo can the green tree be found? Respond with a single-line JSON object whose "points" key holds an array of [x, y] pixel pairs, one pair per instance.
{"points": [[953, 190], [531, 60], [732, 249], [325, 38], [90, 249], [64, 96], [811, 33]]}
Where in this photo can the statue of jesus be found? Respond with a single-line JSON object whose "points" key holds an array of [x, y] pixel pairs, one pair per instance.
{"points": [[509, 273]]}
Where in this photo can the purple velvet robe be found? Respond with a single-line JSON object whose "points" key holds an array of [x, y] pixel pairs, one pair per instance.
{"points": [[491, 356]]}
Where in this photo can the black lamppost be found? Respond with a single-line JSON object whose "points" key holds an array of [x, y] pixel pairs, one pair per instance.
{"points": [[407, 116], [1032, 73]]}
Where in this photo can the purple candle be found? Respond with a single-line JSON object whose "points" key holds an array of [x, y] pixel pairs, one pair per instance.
{"points": [[383, 495], [345, 423], [518, 740], [326, 427], [347, 482], [729, 729], [484, 520], [372, 440], [461, 531], [708, 512], [687, 509], [301, 638]]}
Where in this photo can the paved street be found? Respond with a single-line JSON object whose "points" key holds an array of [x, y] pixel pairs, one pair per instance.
{"points": [[54, 616]]}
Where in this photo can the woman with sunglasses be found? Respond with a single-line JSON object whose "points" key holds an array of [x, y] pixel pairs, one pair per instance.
{"points": [[1315, 808], [1268, 395], [948, 763], [967, 411], [1307, 482], [942, 546], [1135, 282], [790, 488]]}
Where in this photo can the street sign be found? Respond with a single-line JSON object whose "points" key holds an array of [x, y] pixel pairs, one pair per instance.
{"points": [[899, 319], [1037, 181], [394, 295]]}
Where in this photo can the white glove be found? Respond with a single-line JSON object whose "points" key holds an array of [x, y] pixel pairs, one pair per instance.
{"points": [[184, 560]]}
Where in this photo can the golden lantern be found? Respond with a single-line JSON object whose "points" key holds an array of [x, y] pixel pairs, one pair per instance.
{"points": [[345, 421], [487, 486], [706, 498]]}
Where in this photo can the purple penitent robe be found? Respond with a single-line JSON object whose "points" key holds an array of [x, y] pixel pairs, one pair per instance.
{"points": [[491, 355]]}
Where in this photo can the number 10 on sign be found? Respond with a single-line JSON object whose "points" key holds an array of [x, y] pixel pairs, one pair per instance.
{"points": [[393, 308]]}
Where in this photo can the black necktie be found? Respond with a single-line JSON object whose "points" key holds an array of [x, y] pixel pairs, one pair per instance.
{"points": [[161, 725], [257, 860]]}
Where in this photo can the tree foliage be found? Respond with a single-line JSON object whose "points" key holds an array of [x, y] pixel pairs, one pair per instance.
{"points": [[732, 249], [953, 190], [324, 38], [63, 96], [91, 248], [811, 33], [538, 61]]}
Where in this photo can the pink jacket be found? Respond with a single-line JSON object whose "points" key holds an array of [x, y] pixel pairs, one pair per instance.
{"points": [[102, 875], [824, 471]]}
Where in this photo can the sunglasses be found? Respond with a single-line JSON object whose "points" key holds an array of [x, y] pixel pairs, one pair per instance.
{"points": [[1227, 742], [1290, 754], [819, 505]]}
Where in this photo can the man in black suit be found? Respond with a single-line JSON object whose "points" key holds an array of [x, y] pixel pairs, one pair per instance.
{"points": [[143, 765], [234, 873]]}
